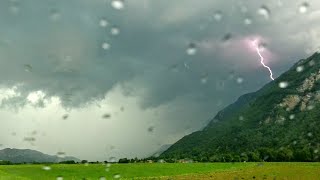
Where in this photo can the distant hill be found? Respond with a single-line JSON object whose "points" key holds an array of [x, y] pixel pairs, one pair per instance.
{"points": [[29, 156], [280, 122]]}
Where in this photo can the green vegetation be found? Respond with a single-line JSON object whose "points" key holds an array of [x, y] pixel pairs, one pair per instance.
{"points": [[163, 171], [260, 126]]}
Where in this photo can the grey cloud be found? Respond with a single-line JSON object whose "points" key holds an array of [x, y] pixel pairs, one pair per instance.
{"points": [[59, 42]]}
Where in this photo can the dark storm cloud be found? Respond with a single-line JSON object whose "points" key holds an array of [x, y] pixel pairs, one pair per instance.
{"points": [[55, 46]]}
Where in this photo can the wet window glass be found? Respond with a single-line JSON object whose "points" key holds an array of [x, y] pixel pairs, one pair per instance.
{"points": [[170, 89]]}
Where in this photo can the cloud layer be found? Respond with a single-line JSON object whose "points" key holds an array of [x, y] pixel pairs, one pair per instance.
{"points": [[53, 62]]}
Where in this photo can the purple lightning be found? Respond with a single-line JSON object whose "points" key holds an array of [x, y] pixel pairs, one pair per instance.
{"points": [[262, 59]]}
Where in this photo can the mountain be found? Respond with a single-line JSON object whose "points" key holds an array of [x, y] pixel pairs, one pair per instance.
{"points": [[279, 122], [29, 156]]}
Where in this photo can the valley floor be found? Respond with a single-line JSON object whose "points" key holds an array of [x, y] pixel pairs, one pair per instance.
{"points": [[233, 171]]}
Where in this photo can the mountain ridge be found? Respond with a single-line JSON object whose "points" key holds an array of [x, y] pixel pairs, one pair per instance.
{"points": [[30, 156], [257, 125]]}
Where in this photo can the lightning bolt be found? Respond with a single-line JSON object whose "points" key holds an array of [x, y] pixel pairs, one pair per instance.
{"points": [[262, 59]]}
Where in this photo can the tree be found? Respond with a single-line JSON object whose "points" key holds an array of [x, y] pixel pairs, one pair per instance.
{"points": [[67, 162], [84, 161], [123, 160], [5, 162], [254, 157]]}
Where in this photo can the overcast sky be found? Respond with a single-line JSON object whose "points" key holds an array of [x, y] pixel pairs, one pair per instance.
{"points": [[97, 79]]}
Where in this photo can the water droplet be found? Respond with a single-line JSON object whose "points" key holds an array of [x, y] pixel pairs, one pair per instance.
{"points": [[117, 4], [311, 63], [174, 68], [262, 46], [116, 176], [299, 68], [103, 22], [107, 169], [310, 107], [105, 46], [106, 116], [192, 49], [316, 151], [121, 108], [217, 16], [59, 178], [27, 67], [54, 15], [112, 159], [46, 168], [115, 31], [151, 129], [61, 154], [239, 80], [204, 78], [231, 74], [108, 165], [247, 21], [241, 118], [264, 11], [303, 8], [29, 139], [66, 116], [283, 84], [227, 37], [309, 134], [292, 116], [294, 142], [102, 178]]}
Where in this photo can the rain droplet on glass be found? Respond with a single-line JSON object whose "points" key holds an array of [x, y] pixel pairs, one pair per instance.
{"points": [[66, 116], [27, 67], [217, 16], [227, 37], [151, 129], [54, 15], [117, 4], [204, 78], [115, 31], [192, 49], [103, 22], [106, 116], [292, 116], [46, 168], [112, 159], [239, 80], [303, 8], [264, 11], [299, 68], [283, 84], [116, 176], [247, 21], [105, 46]]}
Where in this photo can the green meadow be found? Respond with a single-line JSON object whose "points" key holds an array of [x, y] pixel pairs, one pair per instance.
{"points": [[162, 171]]}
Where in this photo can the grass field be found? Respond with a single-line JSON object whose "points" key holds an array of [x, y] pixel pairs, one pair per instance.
{"points": [[303, 171]]}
